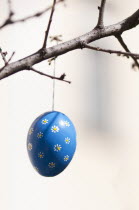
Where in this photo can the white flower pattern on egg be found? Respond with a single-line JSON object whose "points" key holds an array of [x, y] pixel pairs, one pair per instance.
{"points": [[41, 155], [67, 123], [67, 140], [57, 147], [39, 135], [31, 131], [55, 129], [45, 121], [29, 146], [66, 158], [51, 165]]}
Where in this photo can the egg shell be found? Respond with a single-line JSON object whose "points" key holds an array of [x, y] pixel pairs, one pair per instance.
{"points": [[51, 143]]}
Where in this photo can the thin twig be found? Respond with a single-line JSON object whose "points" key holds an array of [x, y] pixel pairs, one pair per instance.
{"points": [[11, 13], [3, 57], [49, 24], [61, 78], [6, 62], [101, 14], [10, 57], [121, 41], [9, 20], [127, 54]]}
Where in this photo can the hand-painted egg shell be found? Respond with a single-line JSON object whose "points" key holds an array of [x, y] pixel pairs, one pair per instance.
{"points": [[51, 143]]}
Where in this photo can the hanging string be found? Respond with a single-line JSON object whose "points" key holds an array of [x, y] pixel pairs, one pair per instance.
{"points": [[54, 70], [53, 95]]}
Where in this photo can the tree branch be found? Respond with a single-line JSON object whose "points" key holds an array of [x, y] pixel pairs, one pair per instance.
{"points": [[57, 50], [101, 14], [117, 52], [10, 21], [121, 41], [49, 24], [61, 78]]}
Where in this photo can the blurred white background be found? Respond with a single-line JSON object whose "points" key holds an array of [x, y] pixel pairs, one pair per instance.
{"points": [[102, 101]]}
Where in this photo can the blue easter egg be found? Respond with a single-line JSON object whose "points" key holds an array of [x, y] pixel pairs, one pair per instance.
{"points": [[51, 143]]}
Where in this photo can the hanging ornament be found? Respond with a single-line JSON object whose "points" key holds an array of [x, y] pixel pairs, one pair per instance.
{"points": [[51, 143]]}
